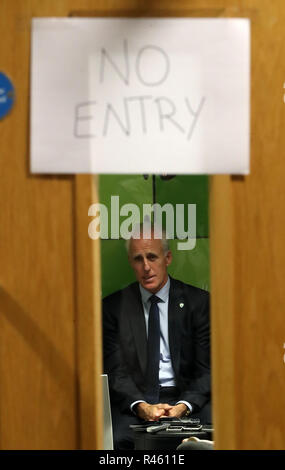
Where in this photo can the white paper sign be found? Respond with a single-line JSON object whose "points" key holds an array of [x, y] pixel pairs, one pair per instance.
{"points": [[120, 95]]}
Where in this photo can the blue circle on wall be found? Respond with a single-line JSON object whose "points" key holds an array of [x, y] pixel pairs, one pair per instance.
{"points": [[7, 95]]}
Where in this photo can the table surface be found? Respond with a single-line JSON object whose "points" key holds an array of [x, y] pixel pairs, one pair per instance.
{"points": [[165, 439]]}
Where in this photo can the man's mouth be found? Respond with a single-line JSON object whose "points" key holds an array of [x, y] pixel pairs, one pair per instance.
{"points": [[149, 278]]}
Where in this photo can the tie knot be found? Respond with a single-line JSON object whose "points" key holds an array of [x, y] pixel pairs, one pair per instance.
{"points": [[154, 299]]}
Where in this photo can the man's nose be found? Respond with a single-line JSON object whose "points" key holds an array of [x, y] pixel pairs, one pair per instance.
{"points": [[146, 265]]}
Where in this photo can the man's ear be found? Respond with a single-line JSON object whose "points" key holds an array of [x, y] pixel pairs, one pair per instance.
{"points": [[168, 257]]}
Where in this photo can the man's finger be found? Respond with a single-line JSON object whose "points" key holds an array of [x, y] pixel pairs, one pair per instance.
{"points": [[159, 412], [164, 406]]}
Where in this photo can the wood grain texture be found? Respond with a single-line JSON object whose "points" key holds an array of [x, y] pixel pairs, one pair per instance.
{"points": [[88, 325], [223, 330], [260, 205], [251, 212], [42, 389]]}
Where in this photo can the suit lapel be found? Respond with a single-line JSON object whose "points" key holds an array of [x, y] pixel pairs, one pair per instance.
{"points": [[138, 326], [176, 304]]}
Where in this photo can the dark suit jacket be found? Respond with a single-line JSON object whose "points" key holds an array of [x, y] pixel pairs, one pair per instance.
{"points": [[125, 343]]}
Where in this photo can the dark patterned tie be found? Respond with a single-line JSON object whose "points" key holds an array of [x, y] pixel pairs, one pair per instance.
{"points": [[153, 352]]}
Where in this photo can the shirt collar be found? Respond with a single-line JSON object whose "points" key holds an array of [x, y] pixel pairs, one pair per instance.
{"points": [[162, 293]]}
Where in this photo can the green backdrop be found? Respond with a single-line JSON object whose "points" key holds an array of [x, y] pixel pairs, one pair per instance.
{"points": [[191, 266]]}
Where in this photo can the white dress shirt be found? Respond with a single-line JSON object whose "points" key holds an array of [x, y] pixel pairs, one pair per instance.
{"points": [[166, 372]]}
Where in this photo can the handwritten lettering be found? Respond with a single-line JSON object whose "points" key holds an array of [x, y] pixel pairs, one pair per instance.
{"points": [[130, 115], [125, 74], [165, 70], [90, 123]]}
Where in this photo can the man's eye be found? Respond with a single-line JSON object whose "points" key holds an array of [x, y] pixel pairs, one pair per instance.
{"points": [[151, 257]]}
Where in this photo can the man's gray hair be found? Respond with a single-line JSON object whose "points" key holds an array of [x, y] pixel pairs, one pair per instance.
{"points": [[147, 230]]}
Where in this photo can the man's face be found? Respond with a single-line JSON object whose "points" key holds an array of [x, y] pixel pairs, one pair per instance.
{"points": [[149, 263]]}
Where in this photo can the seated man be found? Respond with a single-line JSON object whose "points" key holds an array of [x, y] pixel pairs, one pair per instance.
{"points": [[156, 343]]}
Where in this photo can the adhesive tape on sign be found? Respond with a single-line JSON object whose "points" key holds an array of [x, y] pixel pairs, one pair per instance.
{"points": [[7, 95]]}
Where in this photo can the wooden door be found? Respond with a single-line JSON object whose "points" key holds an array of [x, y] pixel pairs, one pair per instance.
{"points": [[50, 324]]}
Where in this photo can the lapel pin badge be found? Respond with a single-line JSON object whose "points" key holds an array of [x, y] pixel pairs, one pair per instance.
{"points": [[181, 305]]}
